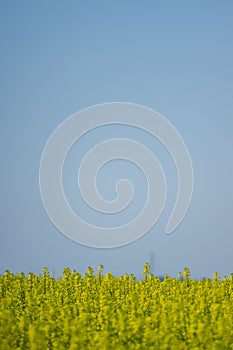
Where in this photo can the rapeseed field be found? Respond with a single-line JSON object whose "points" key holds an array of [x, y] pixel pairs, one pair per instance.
{"points": [[98, 311]]}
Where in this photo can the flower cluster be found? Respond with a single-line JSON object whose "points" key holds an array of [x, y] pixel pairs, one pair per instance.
{"points": [[102, 312]]}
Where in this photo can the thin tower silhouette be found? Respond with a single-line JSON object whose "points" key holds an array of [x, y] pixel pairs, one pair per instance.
{"points": [[152, 261]]}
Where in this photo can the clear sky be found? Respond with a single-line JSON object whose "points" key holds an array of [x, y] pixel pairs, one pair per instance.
{"points": [[175, 57]]}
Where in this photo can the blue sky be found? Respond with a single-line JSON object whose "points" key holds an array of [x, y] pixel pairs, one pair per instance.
{"points": [[58, 57]]}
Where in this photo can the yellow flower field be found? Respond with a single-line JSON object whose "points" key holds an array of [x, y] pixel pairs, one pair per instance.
{"points": [[101, 312]]}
